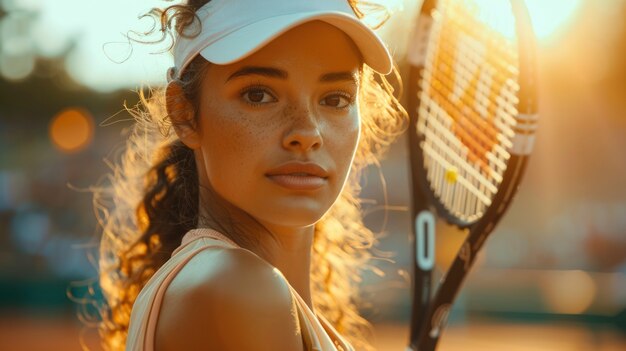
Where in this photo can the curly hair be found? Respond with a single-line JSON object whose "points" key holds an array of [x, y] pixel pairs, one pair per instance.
{"points": [[151, 200]]}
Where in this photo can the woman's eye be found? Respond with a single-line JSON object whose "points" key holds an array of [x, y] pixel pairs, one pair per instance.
{"points": [[336, 100], [257, 96]]}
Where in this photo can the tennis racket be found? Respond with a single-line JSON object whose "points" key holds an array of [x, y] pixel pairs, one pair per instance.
{"points": [[473, 116]]}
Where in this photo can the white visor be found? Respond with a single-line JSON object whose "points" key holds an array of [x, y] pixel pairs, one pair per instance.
{"points": [[230, 30]]}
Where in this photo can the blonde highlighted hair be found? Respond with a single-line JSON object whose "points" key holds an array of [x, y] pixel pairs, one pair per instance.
{"points": [[150, 200]]}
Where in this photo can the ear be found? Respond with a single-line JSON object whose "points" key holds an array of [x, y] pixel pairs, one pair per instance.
{"points": [[181, 112]]}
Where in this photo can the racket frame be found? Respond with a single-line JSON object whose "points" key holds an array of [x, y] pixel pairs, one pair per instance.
{"points": [[428, 319]]}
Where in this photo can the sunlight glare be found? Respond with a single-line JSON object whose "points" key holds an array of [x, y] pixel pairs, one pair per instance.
{"points": [[100, 57], [550, 17]]}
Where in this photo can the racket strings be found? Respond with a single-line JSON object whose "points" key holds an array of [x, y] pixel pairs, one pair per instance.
{"points": [[468, 97], [477, 40]]}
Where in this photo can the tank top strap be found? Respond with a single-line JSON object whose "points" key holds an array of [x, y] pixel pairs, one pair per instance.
{"points": [[198, 233], [309, 342]]}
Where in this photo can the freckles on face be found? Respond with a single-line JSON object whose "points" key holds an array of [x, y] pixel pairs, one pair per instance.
{"points": [[231, 139], [294, 100]]}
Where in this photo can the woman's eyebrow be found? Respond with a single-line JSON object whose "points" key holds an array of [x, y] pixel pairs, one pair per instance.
{"points": [[340, 76], [281, 74], [260, 71]]}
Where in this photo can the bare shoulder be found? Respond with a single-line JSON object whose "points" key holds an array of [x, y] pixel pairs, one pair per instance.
{"points": [[228, 299]]}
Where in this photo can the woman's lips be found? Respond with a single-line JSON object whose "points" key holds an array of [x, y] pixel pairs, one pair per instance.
{"points": [[298, 182], [299, 175]]}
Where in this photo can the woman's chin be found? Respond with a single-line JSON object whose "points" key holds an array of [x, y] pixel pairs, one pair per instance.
{"points": [[293, 216]]}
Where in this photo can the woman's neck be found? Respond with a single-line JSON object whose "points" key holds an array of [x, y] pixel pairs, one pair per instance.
{"points": [[286, 248], [290, 252]]}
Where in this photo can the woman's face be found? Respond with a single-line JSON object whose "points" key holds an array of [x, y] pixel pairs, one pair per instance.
{"points": [[293, 102]]}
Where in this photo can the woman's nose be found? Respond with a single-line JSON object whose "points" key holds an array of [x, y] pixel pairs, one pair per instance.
{"points": [[304, 132]]}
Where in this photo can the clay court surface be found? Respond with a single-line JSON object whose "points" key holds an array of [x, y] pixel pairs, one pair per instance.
{"points": [[18, 333]]}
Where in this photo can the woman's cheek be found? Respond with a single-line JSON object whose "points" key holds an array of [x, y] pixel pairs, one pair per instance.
{"points": [[345, 141], [354, 131]]}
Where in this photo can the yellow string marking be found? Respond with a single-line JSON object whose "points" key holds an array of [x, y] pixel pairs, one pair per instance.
{"points": [[451, 175]]}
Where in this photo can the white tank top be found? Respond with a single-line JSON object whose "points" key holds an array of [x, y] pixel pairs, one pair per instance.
{"points": [[317, 333]]}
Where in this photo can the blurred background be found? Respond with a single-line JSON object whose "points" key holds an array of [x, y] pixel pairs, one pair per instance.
{"points": [[552, 277]]}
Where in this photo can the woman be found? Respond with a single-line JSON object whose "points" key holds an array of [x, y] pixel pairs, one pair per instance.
{"points": [[239, 228]]}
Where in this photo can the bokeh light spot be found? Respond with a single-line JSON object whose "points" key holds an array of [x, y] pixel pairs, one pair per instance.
{"points": [[71, 130], [16, 68], [569, 292]]}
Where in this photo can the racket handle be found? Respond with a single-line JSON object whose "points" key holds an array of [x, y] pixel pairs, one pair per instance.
{"points": [[437, 316]]}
